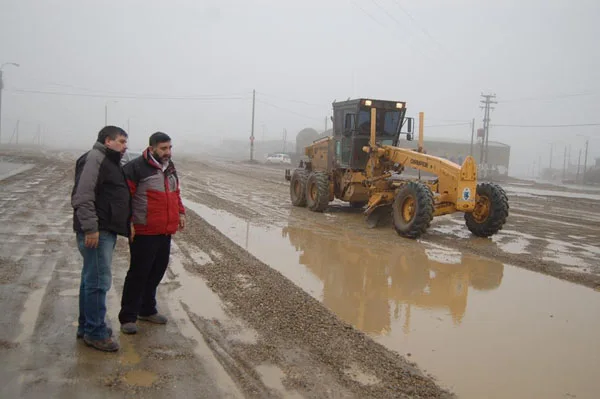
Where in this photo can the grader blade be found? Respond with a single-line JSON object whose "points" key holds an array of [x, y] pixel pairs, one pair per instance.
{"points": [[379, 216]]}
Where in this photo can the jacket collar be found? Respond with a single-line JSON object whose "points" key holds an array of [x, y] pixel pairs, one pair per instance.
{"points": [[113, 155], [154, 163]]}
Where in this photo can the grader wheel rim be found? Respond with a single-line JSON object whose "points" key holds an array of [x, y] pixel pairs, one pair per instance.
{"points": [[482, 209], [408, 209], [297, 188], [314, 192]]}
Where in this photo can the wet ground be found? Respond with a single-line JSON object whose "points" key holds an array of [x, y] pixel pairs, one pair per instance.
{"points": [[486, 317], [268, 300], [238, 329]]}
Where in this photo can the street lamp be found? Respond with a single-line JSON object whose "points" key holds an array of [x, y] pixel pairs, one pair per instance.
{"points": [[1, 87]]}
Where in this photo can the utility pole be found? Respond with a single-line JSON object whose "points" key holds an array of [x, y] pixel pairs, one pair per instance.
{"points": [[1, 87], [252, 129], [284, 139], [585, 161], [488, 101], [565, 164], [472, 134], [578, 165], [540, 167], [15, 134]]}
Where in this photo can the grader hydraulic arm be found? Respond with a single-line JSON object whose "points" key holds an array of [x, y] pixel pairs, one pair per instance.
{"points": [[453, 190], [454, 187]]}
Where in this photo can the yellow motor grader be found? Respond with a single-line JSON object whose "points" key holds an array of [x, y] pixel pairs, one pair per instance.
{"points": [[361, 163]]}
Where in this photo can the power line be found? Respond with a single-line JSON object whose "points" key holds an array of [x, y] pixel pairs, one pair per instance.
{"points": [[409, 15], [450, 124], [291, 100], [367, 14], [139, 94], [545, 126], [416, 49], [126, 96], [288, 110], [551, 98]]}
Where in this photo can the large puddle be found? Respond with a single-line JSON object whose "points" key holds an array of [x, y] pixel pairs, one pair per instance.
{"points": [[482, 328]]}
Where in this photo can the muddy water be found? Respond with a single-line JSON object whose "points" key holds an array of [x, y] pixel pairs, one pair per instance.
{"points": [[481, 328]]}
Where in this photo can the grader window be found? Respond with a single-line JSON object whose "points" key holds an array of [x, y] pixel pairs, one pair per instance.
{"points": [[349, 124], [387, 122]]}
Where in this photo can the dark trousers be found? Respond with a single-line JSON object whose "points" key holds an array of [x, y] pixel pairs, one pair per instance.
{"points": [[149, 260]]}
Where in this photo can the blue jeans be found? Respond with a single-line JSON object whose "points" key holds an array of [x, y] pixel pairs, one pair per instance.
{"points": [[96, 279]]}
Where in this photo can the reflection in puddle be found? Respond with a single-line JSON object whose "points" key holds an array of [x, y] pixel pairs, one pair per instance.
{"points": [[481, 328]]}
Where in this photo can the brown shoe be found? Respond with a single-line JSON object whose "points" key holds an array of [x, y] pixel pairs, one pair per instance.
{"points": [[105, 345]]}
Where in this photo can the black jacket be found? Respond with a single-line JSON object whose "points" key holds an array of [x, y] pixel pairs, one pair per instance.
{"points": [[100, 196]]}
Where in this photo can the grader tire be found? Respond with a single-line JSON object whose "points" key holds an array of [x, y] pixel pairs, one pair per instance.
{"points": [[491, 210], [317, 191], [298, 187], [412, 210]]}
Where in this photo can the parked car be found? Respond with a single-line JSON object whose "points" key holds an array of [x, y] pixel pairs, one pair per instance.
{"points": [[280, 159]]}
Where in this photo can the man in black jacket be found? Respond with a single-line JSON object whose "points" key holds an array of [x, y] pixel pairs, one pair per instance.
{"points": [[101, 211]]}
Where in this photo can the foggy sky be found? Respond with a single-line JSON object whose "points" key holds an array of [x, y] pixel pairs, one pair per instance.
{"points": [[436, 55]]}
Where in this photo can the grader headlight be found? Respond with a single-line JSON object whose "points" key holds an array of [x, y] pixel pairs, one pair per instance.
{"points": [[399, 105], [368, 103]]}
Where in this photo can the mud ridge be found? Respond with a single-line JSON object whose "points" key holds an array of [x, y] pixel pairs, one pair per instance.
{"points": [[284, 316]]}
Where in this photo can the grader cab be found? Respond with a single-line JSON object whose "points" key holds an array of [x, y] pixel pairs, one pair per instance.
{"points": [[362, 164]]}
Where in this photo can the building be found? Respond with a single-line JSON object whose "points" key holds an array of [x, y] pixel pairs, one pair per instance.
{"points": [[454, 150]]}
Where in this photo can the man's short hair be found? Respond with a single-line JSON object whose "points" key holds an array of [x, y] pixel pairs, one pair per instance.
{"points": [[111, 132], [159, 137]]}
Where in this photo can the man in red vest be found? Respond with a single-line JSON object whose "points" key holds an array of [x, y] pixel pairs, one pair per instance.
{"points": [[157, 214]]}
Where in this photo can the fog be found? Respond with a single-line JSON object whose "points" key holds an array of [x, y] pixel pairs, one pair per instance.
{"points": [[188, 68]]}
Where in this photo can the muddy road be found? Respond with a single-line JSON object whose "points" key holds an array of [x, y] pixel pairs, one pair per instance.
{"points": [[511, 316], [238, 328], [267, 300]]}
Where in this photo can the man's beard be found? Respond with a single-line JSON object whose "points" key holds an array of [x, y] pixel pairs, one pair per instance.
{"points": [[160, 159]]}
